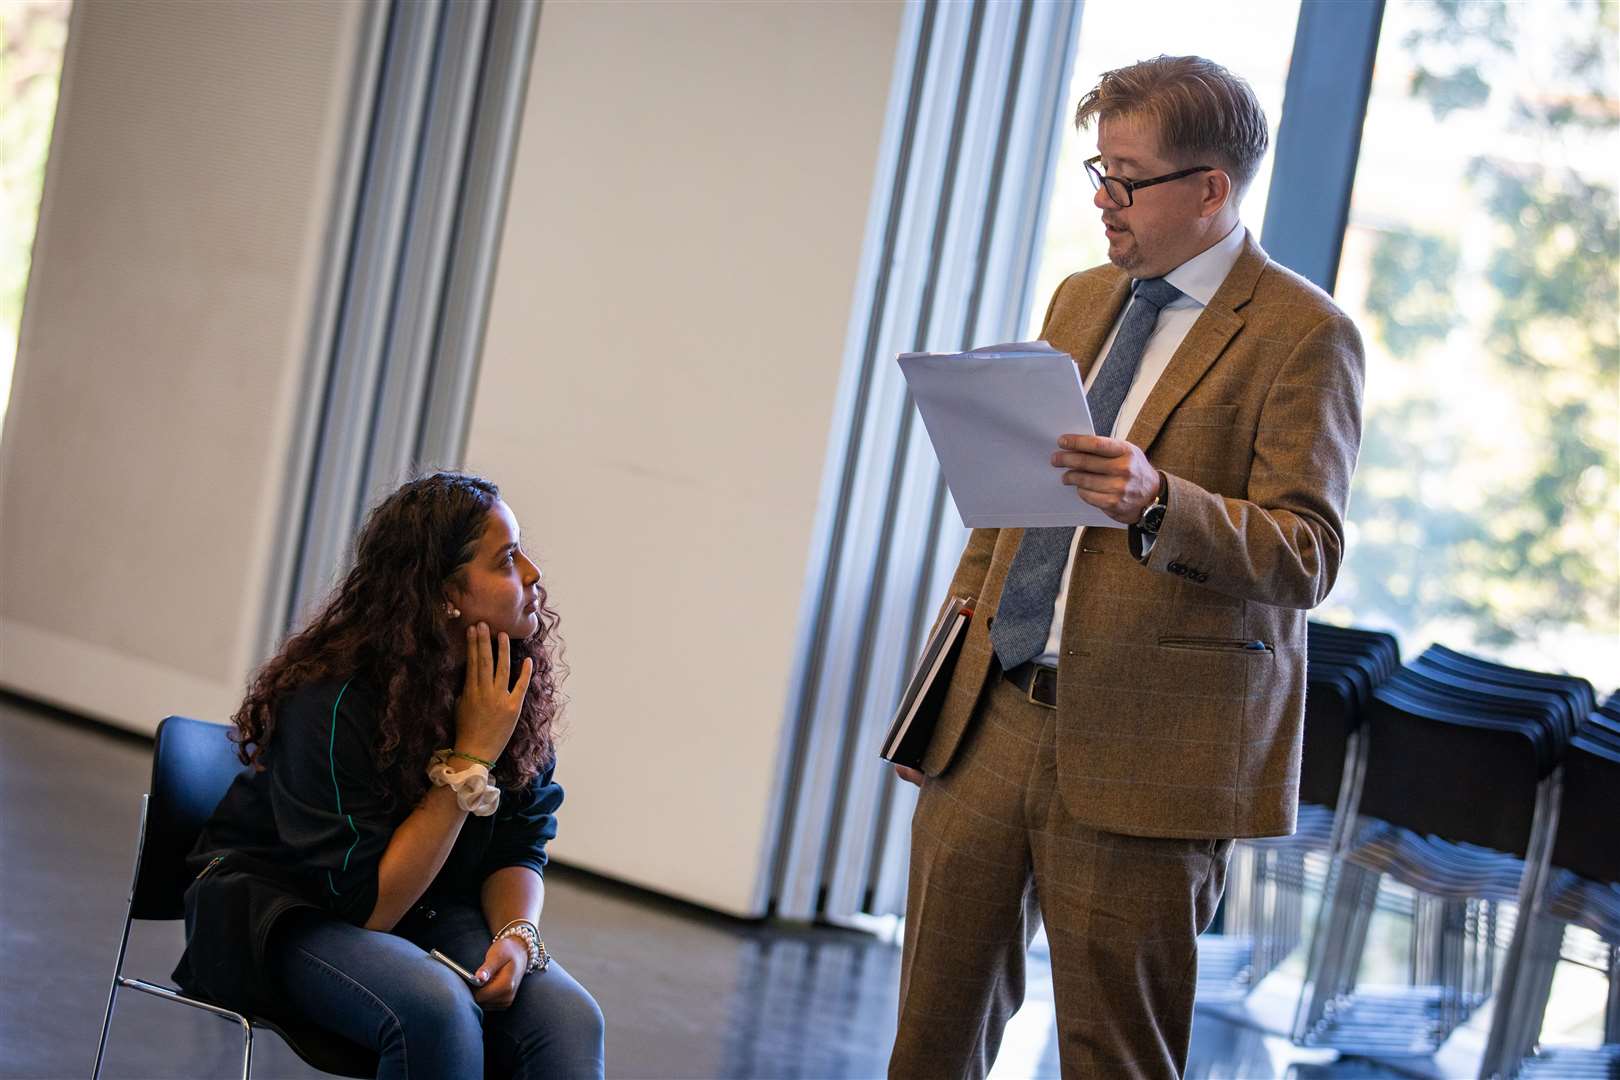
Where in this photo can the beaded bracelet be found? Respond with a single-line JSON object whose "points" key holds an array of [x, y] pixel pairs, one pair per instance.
{"points": [[539, 959]]}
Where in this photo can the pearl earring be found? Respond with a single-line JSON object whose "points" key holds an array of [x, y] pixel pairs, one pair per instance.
{"points": [[453, 611]]}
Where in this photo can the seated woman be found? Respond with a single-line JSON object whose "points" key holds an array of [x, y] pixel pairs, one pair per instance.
{"points": [[401, 802]]}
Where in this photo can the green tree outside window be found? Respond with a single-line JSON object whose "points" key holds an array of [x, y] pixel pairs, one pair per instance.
{"points": [[1486, 510]]}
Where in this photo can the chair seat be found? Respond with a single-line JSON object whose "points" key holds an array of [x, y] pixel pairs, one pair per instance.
{"points": [[193, 764], [1444, 868], [323, 1050], [315, 1046]]}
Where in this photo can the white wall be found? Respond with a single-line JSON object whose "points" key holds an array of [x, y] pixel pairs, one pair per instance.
{"points": [[162, 348], [656, 392]]}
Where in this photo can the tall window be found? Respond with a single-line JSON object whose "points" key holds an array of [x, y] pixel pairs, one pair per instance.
{"points": [[1481, 264], [33, 34], [1253, 39]]}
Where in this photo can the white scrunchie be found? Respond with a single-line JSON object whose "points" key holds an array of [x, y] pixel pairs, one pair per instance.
{"points": [[474, 792]]}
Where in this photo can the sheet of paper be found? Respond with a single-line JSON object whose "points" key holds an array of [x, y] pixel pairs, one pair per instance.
{"points": [[994, 416]]}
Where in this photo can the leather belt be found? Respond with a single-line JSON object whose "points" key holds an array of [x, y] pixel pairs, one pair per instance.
{"points": [[1037, 681]]}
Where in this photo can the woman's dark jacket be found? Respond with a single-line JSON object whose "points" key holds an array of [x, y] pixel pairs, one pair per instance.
{"points": [[308, 832]]}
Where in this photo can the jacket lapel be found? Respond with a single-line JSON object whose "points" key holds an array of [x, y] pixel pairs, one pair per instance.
{"points": [[1203, 345], [1089, 338]]}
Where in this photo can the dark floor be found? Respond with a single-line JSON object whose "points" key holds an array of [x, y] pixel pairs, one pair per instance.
{"points": [[685, 994]]}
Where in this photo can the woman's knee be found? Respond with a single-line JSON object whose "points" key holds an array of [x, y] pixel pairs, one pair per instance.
{"points": [[583, 1016], [565, 1008], [436, 992], [409, 1008], [556, 1028], [439, 1027]]}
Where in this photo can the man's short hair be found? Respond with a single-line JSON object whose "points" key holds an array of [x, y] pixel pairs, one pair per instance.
{"points": [[1202, 111]]}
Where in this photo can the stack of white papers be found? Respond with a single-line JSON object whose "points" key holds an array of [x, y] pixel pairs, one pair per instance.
{"points": [[994, 416]]}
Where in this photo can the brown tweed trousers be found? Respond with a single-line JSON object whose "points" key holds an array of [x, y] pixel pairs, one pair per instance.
{"points": [[1173, 733]]}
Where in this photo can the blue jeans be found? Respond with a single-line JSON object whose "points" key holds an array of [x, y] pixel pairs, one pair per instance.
{"points": [[384, 991]]}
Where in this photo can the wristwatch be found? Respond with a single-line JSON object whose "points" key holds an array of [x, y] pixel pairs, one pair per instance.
{"points": [[1153, 516]]}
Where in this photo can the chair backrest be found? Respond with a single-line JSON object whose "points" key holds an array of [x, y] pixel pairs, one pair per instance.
{"points": [[193, 763]]}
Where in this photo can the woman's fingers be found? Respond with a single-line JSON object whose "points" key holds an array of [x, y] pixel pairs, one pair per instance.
{"points": [[471, 679], [489, 666], [502, 982], [482, 656], [525, 673], [499, 991]]}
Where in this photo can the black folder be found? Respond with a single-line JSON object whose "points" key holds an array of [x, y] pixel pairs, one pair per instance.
{"points": [[918, 712]]}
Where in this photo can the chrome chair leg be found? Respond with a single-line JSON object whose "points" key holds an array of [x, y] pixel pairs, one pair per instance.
{"points": [[112, 998], [1499, 1058], [123, 941], [1611, 1016], [1355, 945], [1325, 940], [247, 1050], [106, 1025], [1549, 947]]}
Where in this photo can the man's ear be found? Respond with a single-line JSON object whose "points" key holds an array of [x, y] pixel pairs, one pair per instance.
{"points": [[1218, 192]]}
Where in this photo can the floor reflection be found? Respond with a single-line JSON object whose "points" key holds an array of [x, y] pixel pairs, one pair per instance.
{"points": [[809, 1008], [820, 1004], [686, 994]]}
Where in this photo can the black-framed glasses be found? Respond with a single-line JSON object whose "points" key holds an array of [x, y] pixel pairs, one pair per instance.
{"points": [[1122, 191]]}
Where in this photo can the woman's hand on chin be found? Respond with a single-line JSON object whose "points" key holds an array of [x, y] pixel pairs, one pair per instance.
{"points": [[490, 701]]}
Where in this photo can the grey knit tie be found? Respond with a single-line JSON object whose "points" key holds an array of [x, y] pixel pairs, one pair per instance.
{"points": [[1024, 617]]}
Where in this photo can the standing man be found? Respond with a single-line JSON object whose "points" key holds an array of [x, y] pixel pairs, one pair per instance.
{"points": [[1130, 700]]}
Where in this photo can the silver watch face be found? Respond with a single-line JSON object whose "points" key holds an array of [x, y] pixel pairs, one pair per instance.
{"points": [[1151, 518]]}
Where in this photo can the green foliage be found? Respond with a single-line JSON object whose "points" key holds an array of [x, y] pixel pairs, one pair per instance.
{"points": [[1553, 266], [1416, 548], [1410, 297], [1461, 89], [32, 37], [1515, 558]]}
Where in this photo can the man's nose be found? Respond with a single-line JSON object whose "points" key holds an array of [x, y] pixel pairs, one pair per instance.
{"points": [[1101, 201]]}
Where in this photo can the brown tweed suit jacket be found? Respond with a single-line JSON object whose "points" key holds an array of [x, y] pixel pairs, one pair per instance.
{"points": [[1169, 725]]}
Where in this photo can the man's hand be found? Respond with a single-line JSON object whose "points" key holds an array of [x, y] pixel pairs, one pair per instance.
{"points": [[504, 966], [910, 776], [1110, 474]]}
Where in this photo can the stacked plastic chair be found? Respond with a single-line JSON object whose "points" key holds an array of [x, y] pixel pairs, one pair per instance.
{"points": [[1459, 803], [1583, 890], [1267, 885]]}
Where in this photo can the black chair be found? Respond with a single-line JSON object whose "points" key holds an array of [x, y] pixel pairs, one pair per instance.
{"points": [[1460, 804], [1269, 882], [1583, 893], [193, 763]]}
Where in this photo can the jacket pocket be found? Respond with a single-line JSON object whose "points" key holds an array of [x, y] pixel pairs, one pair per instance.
{"points": [[1201, 644], [1206, 416]]}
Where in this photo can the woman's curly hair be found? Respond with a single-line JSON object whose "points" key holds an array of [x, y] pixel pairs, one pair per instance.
{"points": [[386, 623]]}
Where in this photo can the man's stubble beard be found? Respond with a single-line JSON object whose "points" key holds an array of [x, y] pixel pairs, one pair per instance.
{"points": [[1129, 259]]}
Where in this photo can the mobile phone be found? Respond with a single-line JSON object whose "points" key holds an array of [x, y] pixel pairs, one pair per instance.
{"points": [[471, 979]]}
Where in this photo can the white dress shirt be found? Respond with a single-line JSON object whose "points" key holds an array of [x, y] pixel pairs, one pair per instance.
{"points": [[1197, 278]]}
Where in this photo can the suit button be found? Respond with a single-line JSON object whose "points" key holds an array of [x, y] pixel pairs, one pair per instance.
{"points": [[1201, 578], [1176, 568]]}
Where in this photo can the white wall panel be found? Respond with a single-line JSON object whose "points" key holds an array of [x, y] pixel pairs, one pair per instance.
{"points": [[163, 346], [657, 390]]}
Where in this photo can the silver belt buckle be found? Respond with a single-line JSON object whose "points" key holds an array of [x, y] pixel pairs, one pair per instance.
{"points": [[1034, 680]]}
